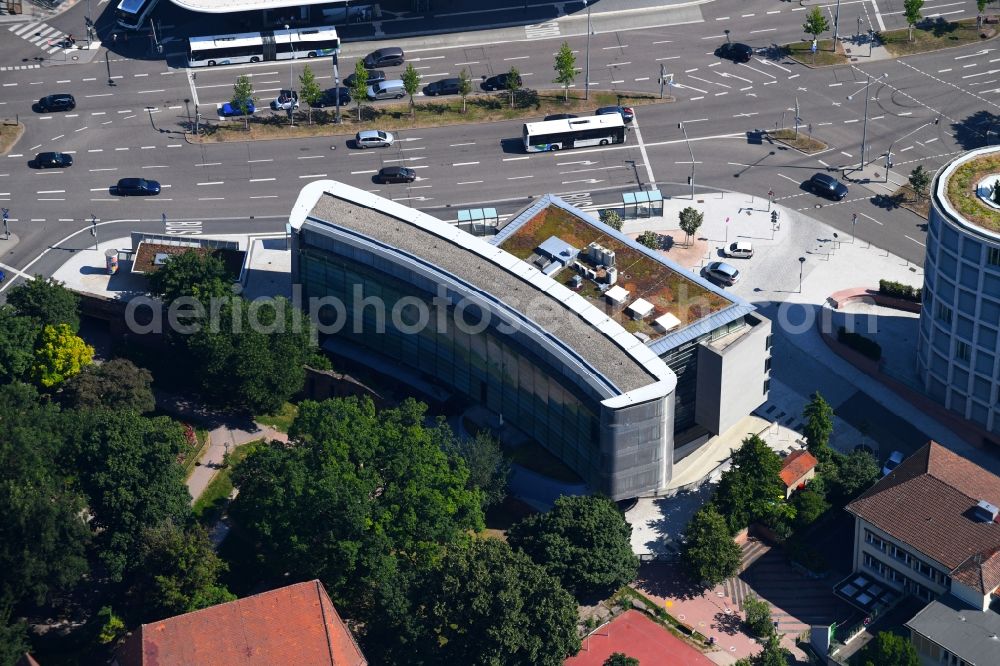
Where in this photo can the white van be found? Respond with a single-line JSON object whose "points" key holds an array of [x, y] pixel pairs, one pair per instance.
{"points": [[740, 250], [392, 89]]}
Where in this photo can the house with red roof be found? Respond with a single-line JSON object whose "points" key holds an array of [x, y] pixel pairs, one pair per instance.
{"points": [[798, 469], [296, 624]]}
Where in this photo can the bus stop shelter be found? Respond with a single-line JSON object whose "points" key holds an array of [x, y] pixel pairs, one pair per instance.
{"points": [[644, 203], [478, 221]]}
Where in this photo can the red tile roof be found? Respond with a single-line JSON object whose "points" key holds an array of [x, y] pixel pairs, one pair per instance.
{"points": [[291, 625], [926, 503], [796, 465]]}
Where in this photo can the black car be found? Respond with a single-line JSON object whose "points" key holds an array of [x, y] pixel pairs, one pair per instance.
{"points": [[140, 187], [329, 97], [443, 87], [374, 76], [735, 51], [499, 82], [57, 102], [53, 161], [387, 57], [625, 112], [561, 116], [396, 174], [827, 186]]}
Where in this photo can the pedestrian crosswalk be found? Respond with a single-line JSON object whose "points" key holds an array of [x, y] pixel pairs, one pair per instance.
{"points": [[42, 35], [11, 68], [542, 30]]}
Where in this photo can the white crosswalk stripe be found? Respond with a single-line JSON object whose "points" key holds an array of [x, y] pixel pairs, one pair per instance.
{"points": [[41, 35], [541, 30], [14, 67]]}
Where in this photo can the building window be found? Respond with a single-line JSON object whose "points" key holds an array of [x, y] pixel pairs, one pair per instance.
{"points": [[899, 554], [767, 365], [767, 344], [767, 386], [962, 351], [942, 312], [993, 256], [875, 541]]}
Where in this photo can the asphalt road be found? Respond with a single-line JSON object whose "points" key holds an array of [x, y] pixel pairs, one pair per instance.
{"points": [[135, 128]]}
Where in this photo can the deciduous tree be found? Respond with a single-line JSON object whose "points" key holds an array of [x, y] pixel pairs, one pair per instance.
{"points": [[621, 659], [565, 66], [855, 473], [117, 384], [819, 426], [920, 180], [772, 654], [690, 222], [464, 86], [13, 638], [202, 276], [18, 336], [60, 355], [309, 90], [815, 25], [411, 84], [911, 12], [513, 83], [359, 85], [888, 649], [809, 505], [709, 553], [48, 301], [650, 239], [752, 488], [612, 218], [243, 98], [487, 464], [584, 541], [758, 616]]}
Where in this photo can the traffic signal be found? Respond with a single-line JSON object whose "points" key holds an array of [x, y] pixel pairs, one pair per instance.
{"points": [[774, 217]]}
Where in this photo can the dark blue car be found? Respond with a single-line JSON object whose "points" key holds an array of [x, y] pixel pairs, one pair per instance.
{"points": [[137, 187], [229, 110]]}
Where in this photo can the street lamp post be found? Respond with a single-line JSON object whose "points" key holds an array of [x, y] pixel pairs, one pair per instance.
{"points": [[107, 61], [864, 130], [802, 261], [888, 154], [836, 26], [854, 223], [291, 85], [691, 151], [586, 76], [728, 41]]}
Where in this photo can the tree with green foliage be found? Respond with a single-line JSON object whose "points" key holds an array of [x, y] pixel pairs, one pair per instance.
{"points": [[243, 98], [358, 492], [852, 474], [690, 222], [411, 84], [309, 90], [809, 505], [464, 86], [773, 653], [888, 649], [815, 25], [612, 218], [18, 336], [196, 274], [818, 415], [911, 12], [43, 535], [488, 466], [920, 180], [584, 541], [565, 66], [253, 357], [650, 239], [758, 616], [179, 573], [981, 5], [117, 384], [13, 638], [752, 488], [112, 626], [489, 604], [60, 355], [127, 466], [359, 85], [621, 659], [47, 301], [513, 83], [709, 553]]}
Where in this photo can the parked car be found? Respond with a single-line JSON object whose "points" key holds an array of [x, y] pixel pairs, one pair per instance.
{"points": [[373, 139], [374, 76], [827, 186], [286, 99], [499, 82], [137, 187], [739, 250], [722, 273], [391, 89], [735, 51], [228, 110], [396, 174], [626, 113], [561, 116], [387, 57], [57, 102], [443, 87], [892, 463], [329, 97], [53, 161]]}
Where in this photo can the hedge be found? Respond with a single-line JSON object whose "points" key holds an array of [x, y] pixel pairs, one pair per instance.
{"points": [[860, 343], [899, 290]]}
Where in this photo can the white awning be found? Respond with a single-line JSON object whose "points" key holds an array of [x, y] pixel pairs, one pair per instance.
{"points": [[228, 6]]}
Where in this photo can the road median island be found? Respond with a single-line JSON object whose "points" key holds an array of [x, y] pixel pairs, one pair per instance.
{"points": [[825, 56], [10, 132], [936, 34], [798, 140], [530, 105]]}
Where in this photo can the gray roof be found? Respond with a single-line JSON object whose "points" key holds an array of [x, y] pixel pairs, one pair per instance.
{"points": [[739, 308], [511, 285], [970, 634]]}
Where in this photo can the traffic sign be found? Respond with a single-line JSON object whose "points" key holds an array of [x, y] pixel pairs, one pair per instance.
{"points": [[6, 213]]}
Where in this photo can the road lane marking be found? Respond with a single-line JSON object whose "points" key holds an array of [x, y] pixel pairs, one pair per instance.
{"points": [[464, 163], [211, 182], [261, 180]]}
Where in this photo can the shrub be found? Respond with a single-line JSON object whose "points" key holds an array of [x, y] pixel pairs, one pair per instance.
{"points": [[860, 344], [612, 218], [899, 290]]}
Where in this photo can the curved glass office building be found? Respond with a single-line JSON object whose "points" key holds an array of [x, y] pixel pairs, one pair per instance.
{"points": [[958, 349], [523, 323]]}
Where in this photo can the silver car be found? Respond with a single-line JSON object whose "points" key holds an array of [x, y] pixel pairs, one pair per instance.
{"points": [[373, 139], [722, 273]]}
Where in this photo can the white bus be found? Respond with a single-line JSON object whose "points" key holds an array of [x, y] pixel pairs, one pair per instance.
{"points": [[131, 14], [574, 133], [261, 46]]}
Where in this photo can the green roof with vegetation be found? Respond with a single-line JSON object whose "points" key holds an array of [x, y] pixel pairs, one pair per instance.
{"points": [[961, 191]]}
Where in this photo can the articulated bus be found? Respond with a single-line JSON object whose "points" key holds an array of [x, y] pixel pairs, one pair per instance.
{"points": [[131, 14], [574, 133], [262, 46]]}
